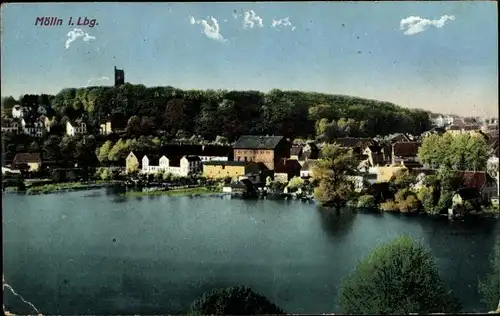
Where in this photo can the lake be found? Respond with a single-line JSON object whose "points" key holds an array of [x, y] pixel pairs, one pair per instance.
{"points": [[94, 252]]}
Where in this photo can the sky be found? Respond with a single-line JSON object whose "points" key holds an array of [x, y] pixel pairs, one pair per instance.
{"points": [[438, 56]]}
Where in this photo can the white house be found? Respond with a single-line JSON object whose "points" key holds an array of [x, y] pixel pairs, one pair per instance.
{"points": [[17, 111], [215, 153], [76, 128], [11, 127], [180, 167], [34, 128]]}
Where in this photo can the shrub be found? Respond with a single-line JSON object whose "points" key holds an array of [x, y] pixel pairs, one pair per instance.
{"points": [[400, 277], [366, 201], [233, 301]]}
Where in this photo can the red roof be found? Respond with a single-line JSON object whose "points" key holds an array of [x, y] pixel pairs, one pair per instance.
{"points": [[23, 158], [407, 149]]}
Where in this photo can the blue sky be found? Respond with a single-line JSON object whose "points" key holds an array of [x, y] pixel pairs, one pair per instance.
{"points": [[342, 48]]}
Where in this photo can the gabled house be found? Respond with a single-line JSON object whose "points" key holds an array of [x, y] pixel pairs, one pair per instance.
{"points": [[266, 149], [404, 151], [461, 196], [75, 128], [30, 161], [375, 155], [302, 153], [35, 127], [286, 169], [399, 137], [480, 180], [11, 126], [179, 166], [133, 162], [434, 130], [114, 123], [306, 170], [18, 111]]}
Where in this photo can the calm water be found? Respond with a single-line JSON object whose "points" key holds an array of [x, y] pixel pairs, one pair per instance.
{"points": [[95, 253]]}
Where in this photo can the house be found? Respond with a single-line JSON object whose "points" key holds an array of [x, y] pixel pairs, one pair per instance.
{"points": [[399, 137], [434, 130], [302, 153], [215, 152], [471, 195], [266, 149], [179, 166], [30, 161], [243, 186], [36, 127], [437, 119], [286, 169], [229, 169], [114, 123], [404, 151], [375, 154], [12, 127], [75, 128], [18, 111], [482, 181], [306, 170], [133, 161]]}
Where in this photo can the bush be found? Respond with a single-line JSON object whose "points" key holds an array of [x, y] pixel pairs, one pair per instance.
{"points": [[233, 301], [389, 206], [366, 201], [400, 277]]}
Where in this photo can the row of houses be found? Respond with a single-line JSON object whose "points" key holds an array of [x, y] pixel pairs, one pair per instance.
{"points": [[39, 126]]}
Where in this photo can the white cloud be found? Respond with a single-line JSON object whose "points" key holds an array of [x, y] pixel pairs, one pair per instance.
{"points": [[211, 31], [415, 24], [250, 19], [75, 34], [285, 22], [95, 79]]}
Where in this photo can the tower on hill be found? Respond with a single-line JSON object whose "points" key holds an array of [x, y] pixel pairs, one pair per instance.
{"points": [[119, 77]]}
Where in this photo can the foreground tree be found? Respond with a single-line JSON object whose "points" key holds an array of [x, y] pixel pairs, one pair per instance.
{"points": [[331, 172], [490, 286], [233, 301], [400, 277]]}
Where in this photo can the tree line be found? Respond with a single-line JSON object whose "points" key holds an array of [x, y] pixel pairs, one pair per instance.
{"points": [[230, 114]]}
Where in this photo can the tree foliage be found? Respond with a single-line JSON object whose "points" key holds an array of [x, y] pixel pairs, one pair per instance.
{"points": [[400, 277], [331, 173], [461, 152], [234, 301]]}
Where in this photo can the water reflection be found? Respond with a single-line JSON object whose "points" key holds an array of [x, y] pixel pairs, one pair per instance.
{"points": [[336, 223]]}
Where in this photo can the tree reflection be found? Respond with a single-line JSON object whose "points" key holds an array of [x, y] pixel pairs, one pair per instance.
{"points": [[337, 223]]}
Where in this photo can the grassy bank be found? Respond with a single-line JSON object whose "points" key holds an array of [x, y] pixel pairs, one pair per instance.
{"points": [[176, 192], [65, 186]]}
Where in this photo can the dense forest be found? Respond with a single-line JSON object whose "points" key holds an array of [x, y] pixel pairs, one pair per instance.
{"points": [[230, 114]]}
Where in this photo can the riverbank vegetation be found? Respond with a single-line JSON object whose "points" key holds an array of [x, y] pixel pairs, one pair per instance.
{"points": [[177, 192]]}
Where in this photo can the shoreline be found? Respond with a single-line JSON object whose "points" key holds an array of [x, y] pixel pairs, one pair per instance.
{"points": [[205, 191]]}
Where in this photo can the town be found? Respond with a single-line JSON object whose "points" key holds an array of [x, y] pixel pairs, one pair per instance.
{"points": [[250, 164]]}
